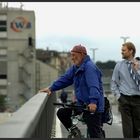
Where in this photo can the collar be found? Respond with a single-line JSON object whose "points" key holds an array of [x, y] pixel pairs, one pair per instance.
{"points": [[128, 61], [82, 66]]}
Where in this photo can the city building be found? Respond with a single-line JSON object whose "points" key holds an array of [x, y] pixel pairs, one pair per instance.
{"points": [[21, 75], [17, 55]]}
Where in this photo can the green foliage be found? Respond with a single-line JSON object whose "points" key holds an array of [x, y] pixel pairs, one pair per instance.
{"points": [[106, 65], [2, 103]]}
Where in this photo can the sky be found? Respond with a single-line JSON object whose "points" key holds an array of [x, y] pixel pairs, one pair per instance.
{"points": [[99, 26]]}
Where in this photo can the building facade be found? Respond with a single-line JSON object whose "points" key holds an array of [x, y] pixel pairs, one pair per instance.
{"points": [[17, 55]]}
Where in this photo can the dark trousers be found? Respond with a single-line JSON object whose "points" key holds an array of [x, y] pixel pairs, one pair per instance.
{"points": [[130, 112], [93, 121]]}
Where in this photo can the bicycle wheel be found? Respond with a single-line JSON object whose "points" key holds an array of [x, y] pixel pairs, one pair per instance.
{"points": [[75, 134], [88, 136], [103, 133]]}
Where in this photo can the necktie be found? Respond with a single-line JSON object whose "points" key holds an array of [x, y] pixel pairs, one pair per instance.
{"points": [[134, 75]]}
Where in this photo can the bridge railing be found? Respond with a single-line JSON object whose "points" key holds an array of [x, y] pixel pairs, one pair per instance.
{"points": [[33, 119]]}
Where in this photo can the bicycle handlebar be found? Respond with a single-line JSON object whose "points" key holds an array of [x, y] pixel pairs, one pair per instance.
{"points": [[73, 106]]}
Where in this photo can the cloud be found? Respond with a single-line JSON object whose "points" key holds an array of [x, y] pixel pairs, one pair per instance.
{"points": [[60, 25]]}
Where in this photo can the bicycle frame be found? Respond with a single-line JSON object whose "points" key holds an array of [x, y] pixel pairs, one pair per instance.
{"points": [[75, 118]]}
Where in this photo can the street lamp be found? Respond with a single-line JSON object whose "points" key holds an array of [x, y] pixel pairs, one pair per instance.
{"points": [[124, 38], [93, 51]]}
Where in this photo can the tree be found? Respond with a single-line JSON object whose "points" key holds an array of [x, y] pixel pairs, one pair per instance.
{"points": [[106, 65], [2, 103]]}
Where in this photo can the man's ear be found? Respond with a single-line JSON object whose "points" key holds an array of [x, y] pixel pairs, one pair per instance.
{"points": [[131, 51]]}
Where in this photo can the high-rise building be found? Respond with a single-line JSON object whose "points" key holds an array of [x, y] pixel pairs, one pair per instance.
{"points": [[17, 55]]}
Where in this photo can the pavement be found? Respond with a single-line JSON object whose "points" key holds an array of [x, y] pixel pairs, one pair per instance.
{"points": [[114, 130], [4, 116]]}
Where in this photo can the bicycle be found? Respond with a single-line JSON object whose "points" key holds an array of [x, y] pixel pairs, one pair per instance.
{"points": [[76, 118]]}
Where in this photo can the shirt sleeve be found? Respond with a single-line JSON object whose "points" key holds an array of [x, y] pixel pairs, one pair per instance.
{"points": [[63, 81], [115, 81], [138, 72]]}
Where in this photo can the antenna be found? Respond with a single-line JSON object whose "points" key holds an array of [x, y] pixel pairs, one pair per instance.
{"points": [[93, 51], [0, 5], [124, 38], [6, 5], [21, 5]]}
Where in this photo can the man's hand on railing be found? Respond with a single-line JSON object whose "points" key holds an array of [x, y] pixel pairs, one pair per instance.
{"points": [[46, 90]]}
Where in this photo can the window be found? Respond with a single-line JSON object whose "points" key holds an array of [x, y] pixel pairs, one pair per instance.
{"points": [[3, 26], [3, 52], [3, 69]]}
